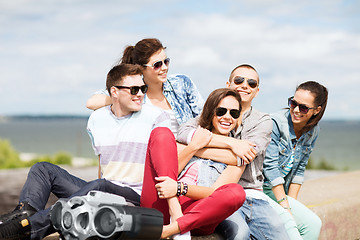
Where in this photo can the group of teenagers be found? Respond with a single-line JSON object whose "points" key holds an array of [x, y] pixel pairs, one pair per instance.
{"points": [[215, 166]]}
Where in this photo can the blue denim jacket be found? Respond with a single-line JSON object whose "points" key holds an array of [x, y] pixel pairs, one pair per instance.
{"points": [[209, 171], [279, 151], [183, 96]]}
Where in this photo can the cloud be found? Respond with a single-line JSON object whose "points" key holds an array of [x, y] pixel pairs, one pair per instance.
{"points": [[63, 49]]}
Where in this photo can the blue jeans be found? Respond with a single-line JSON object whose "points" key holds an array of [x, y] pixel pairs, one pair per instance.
{"points": [[44, 178], [254, 220]]}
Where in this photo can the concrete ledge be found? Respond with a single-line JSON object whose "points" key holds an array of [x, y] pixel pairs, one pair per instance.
{"points": [[336, 200]]}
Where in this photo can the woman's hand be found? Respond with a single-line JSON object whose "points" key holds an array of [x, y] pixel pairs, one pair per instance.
{"points": [[244, 149], [166, 188], [201, 138]]}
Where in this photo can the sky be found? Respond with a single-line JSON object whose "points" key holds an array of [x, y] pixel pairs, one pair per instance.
{"points": [[55, 54]]}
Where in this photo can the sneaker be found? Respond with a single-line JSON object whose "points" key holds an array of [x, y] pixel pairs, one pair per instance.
{"points": [[20, 210], [16, 229]]}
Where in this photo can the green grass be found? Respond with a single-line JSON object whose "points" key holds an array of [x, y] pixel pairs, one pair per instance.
{"points": [[9, 157]]}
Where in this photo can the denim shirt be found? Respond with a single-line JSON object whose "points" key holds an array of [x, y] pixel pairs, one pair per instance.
{"points": [[278, 153], [209, 171], [183, 96]]}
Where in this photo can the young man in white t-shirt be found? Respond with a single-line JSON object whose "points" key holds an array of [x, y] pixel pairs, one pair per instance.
{"points": [[119, 133]]}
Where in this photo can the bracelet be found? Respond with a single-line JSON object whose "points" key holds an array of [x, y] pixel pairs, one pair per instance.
{"points": [[185, 190], [239, 161], [178, 192], [281, 200], [287, 208]]}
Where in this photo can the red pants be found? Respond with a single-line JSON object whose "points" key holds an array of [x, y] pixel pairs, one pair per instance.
{"points": [[200, 216]]}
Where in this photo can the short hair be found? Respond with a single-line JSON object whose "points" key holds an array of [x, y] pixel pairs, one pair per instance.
{"points": [[248, 66], [321, 97], [118, 72], [213, 100]]}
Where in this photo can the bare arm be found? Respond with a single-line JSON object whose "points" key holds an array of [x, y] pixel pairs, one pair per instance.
{"points": [[168, 187], [294, 189], [99, 170], [231, 174], [97, 101], [280, 195], [200, 139], [241, 148], [223, 155]]}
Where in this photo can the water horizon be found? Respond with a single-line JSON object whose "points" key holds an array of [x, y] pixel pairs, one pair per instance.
{"points": [[48, 134]]}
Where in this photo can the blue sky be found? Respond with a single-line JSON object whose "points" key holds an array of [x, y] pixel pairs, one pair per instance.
{"points": [[55, 54]]}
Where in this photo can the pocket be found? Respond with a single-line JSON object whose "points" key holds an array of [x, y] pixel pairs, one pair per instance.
{"points": [[284, 153], [306, 150]]}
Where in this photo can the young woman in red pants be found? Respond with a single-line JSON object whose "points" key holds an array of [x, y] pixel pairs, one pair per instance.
{"points": [[202, 208]]}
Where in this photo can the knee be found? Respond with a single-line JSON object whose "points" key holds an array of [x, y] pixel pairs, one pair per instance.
{"points": [[40, 167], [232, 229], [237, 194], [98, 184], [161, 135], [242, 233], [315, 223]]}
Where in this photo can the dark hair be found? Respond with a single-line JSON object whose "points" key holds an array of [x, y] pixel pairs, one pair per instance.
{"points": [[211, 104], [244, 66], [117, 73], [142, 51], [321, 96]]}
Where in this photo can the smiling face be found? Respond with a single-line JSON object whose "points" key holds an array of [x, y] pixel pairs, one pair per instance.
{"points": [[224, 124], [306, 98], [247, 93], [124, 102], [152, 76]]}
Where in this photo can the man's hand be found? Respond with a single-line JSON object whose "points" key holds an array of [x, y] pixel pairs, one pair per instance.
{"points": [[166, 188]]}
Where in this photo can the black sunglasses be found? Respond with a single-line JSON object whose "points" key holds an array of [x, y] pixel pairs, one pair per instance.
{"points": [[220, 111], [302, 107], [157, 65], [252, 82], [135, 89]]}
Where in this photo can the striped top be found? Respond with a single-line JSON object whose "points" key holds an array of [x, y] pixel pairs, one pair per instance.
{"points": [[122, 142]]}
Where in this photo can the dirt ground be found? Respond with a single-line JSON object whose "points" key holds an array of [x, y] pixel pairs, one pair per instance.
{"points": [[12, 181]]}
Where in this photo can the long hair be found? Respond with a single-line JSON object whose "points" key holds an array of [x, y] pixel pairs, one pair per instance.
{"points": [[321, 96], [208, 112], [142, 51]]}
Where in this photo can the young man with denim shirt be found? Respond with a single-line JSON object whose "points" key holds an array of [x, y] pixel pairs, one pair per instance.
{"points": [[256, 217]]}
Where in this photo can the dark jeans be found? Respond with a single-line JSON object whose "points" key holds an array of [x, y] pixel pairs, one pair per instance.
{"points": [[44, 178]]}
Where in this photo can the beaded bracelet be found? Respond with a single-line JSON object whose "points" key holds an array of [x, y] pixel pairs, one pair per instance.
{"points": [[178, 193], [281, 200], [185, 190]]}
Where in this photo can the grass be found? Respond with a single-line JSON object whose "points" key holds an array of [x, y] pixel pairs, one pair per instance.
{"points": [[9, 157]]}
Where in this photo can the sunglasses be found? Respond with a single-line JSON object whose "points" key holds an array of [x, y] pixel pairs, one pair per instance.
{"points": [[302, 107], [135, 89], [252, 82], [234, 113], [157, 65]]}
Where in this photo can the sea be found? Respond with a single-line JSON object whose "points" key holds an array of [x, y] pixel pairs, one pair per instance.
{"points": [[338, 144]]}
